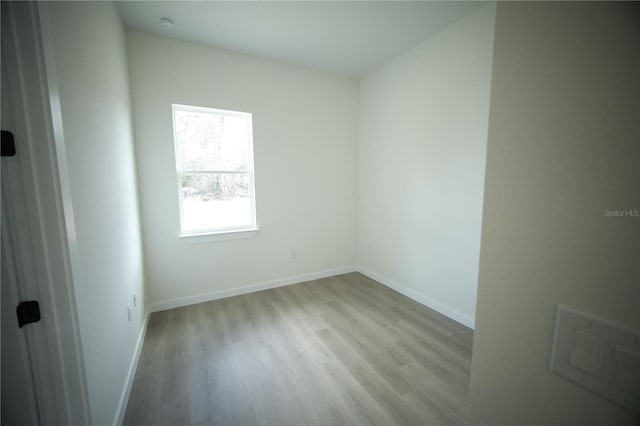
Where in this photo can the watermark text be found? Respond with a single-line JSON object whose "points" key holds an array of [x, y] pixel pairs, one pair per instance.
{"points": [[622, 213]]}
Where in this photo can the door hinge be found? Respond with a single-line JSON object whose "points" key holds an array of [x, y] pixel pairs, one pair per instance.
{"points": [[7, 144], [28, 312]]}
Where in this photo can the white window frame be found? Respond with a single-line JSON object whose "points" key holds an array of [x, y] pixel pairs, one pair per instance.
{"points": [[226, 233]]}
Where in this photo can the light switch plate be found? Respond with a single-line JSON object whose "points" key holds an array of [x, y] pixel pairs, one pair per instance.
{"points": [[599, 355]]}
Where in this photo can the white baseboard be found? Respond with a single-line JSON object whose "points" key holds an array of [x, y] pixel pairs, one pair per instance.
{"points": [[221, 294], [427, 301], [131, 374]]}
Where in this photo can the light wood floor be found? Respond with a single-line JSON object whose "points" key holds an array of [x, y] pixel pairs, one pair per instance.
{"points": [[337, 351]]}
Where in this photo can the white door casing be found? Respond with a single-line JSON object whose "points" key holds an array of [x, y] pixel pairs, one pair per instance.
{"points": [[46, 224]]}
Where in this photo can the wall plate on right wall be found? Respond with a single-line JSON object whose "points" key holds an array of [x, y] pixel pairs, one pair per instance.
{"points": [[599, 355]]}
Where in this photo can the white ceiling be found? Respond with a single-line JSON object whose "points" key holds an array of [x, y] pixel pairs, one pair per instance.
{"points": [[345, 37]]}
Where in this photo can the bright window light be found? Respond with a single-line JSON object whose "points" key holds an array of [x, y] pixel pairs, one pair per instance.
{"points": [[214, 167]]}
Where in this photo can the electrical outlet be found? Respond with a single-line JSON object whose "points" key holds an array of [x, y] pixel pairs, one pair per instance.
{"points": [[293, 254], [135, 300], [129, 312]]}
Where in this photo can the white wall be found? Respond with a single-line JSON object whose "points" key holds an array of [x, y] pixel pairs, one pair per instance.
{"points": [[89, 51], [421, 163], [563, 147], [305, 125]]}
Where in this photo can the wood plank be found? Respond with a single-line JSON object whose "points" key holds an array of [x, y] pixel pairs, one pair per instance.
{"points": [[339, 350]]}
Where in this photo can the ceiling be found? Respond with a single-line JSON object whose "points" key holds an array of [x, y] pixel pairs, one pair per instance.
{"points": [[345, 37]]}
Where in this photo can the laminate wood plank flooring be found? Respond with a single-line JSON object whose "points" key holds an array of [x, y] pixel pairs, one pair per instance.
{"points": [[343, 350]]}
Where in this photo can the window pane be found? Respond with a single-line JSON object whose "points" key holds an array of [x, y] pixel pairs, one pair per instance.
{"points": [[210, 141], [215, 201]]}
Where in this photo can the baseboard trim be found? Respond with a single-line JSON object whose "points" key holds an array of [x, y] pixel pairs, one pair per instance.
{"points": [[131, 374], [221, 294], [427, 301]]}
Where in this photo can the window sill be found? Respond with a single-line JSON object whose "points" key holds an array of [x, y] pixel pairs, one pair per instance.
{"points": [[209, 237]]}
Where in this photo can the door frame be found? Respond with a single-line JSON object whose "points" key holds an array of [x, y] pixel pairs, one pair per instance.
{"points": [[58, 361]]}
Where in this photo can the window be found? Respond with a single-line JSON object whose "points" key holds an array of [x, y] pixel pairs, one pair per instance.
{"points": [[214, 165]]}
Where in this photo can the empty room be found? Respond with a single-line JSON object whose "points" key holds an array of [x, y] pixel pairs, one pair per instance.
{"points": [[320, 213]]}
